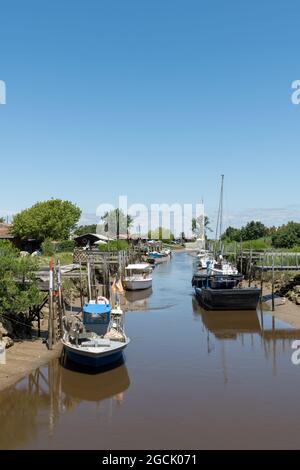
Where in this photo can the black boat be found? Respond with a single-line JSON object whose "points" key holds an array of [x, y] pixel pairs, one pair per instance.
{"points": [[224, 292]]}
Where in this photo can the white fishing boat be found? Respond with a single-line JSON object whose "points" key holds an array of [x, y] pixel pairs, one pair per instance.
{"points": [[88, 348], [138, 276]]}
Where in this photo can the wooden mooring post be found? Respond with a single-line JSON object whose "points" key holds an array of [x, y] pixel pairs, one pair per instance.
{"points": [[250, 269], [51, 312], [60, 300], [273, 282]]}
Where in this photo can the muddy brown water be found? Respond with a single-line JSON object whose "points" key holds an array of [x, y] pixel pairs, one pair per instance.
{"points": [[191, 379]]}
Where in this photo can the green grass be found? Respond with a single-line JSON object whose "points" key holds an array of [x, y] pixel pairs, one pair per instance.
{"points": [[261, 244], [65, 258]]}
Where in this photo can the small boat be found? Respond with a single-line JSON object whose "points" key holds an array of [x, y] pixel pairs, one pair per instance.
{"points": [[166, 252], [155, 254], [222, 268], [205, 259], [223, 292], [83, 345], [138, 276]]}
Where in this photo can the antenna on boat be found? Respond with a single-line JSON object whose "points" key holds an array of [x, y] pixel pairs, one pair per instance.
{"points": [[219, 227]]}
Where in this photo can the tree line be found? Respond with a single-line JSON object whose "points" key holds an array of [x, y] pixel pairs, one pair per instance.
{"points": [[284, 236]]}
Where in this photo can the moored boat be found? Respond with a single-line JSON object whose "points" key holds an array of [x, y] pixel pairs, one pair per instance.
{"points": [[138, 276], [224, 293], [87, 347]]}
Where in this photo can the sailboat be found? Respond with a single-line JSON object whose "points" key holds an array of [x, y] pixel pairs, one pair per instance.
{"points": [[220, 287]]}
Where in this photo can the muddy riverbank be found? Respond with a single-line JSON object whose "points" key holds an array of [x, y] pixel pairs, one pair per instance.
{"points": [[22, 358]]}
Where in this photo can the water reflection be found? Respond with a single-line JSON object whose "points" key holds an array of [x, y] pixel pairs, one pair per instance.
{"points": [[262, 328], [235, 324], [137, 300], [43, 396], [79, 386]]}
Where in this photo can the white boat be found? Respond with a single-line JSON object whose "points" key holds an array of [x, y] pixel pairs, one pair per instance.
{"points": [[138, 276], [89, 348], [205, 258], [223, 268]]}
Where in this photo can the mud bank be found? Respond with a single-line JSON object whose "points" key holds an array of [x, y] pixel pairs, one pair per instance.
{"points": [[24, 357]]}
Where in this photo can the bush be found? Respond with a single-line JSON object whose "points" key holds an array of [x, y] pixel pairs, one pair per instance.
{"points": [[115, 245], [48, 248], [287, 236], [65, 245], [261, 244]]}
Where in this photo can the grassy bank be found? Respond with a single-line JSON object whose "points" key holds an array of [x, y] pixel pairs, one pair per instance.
{"points": [[65, 258]]}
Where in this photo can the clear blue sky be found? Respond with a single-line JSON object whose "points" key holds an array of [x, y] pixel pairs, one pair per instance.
{"points": [[153, 99]]}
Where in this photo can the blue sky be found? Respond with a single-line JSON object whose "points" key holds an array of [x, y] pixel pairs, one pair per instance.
{"points": [[152, 99]]}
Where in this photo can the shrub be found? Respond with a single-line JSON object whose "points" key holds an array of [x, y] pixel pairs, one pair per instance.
{"points": [[287, 236], [48, 247], [115, 245], [65, 245]]}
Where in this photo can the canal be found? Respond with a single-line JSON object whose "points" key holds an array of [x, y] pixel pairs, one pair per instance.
{"points": [[191, 379]]}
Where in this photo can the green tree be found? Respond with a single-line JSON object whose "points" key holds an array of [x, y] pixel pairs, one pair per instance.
{"points": [[254, 230], [287, 236], [232, 234], [84, 229], [18, 289], [162, 234], [115, 223], [54, 219], [2, 220]]}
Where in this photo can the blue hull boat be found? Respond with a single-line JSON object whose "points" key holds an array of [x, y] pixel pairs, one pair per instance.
{"points": [[95, 359], [95, 341], [155, 255]]}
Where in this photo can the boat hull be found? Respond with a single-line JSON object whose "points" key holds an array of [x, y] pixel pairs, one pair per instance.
{"points": [[228, 299], [142, 284], [94, 359]]}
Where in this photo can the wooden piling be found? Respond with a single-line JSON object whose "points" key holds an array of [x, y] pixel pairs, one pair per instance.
{"points": [[241, 257], [89, 280], [81, 287], [273, 281], [60, 302], [50, 320], [250, 268]]}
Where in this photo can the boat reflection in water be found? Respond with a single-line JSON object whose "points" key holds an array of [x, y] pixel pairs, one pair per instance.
{"points": [[44, 396], [136, 300], [81, 386], [228, 324], [249, 328]]}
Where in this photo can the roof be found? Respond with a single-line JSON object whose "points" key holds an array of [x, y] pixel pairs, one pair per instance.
{"points": [[139, 267], [136, 236], [94, 236], [5, 231]]}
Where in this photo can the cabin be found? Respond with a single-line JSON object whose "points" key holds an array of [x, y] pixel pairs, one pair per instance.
{"points": [[5, 232], [30, 244], [90, 239]]}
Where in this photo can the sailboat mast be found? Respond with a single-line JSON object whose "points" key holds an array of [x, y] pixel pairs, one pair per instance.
{"points": [[219, 227], [221, 207]]}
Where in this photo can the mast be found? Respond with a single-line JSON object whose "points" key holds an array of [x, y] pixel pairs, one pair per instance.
{"points": [[219, 227], [221, 206]]}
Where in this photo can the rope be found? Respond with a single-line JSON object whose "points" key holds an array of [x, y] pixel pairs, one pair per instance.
{"points": [[12, 319]]}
